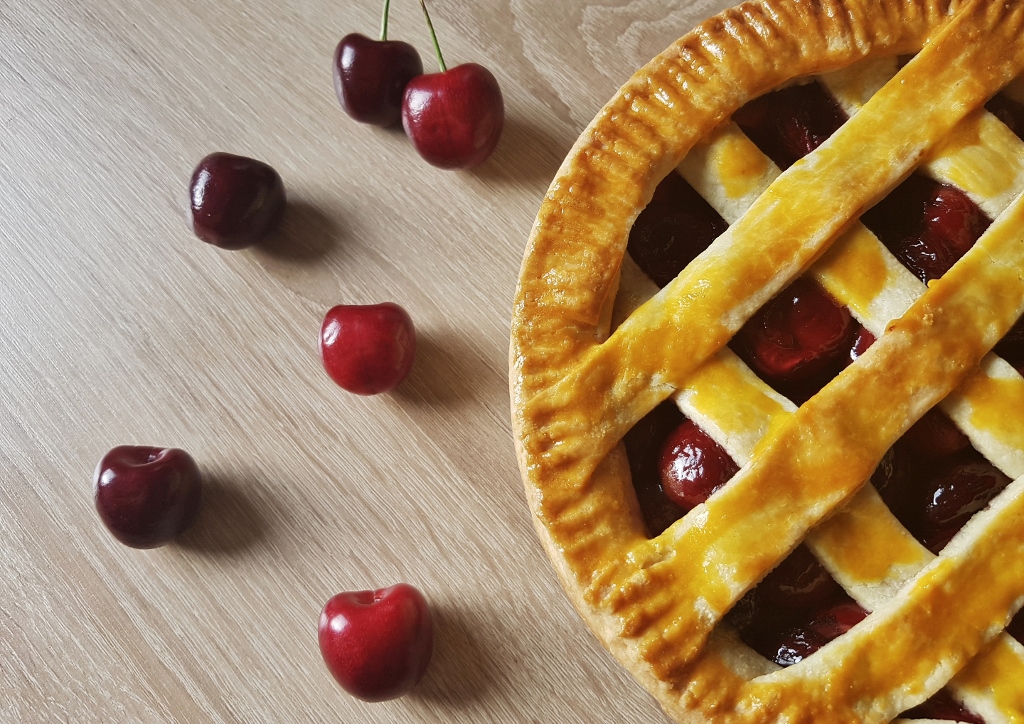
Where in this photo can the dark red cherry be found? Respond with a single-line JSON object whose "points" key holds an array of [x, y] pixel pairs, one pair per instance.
{"points": [[370, 77], [953, 496], [693, 466], [454, 118], [800, 581], [746, 612], [799, 643], [1016, 626], [943, 706], [1011, 347], [933, 438], [893, 480], [235, 201], [861, 342], [798, 340], [1009, 112], [790, 123], [147, 496], [643, 448], [666, 237], [927, 225]]}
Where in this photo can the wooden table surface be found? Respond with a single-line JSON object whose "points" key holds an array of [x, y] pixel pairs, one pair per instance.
{"points": [[120, 327]]}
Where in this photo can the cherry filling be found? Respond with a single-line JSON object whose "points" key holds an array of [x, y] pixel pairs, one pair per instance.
{"points": [[928, 226], [790, 123], [693, 466], [643, 449], [675, 227], [798, 341]]}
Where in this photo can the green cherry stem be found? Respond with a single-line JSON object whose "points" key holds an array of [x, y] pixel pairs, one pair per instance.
{"points": [[433, 37], [384, 21]]}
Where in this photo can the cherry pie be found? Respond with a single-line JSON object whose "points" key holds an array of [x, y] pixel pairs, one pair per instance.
{"points": [[763, 436]]}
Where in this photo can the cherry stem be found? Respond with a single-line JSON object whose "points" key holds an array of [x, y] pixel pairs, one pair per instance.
{"points": [[433, 37], [384, 21]]}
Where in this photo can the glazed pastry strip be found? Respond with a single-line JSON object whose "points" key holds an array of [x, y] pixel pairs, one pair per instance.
{"points": [[660, 345], [945, 616], [821, 454]]}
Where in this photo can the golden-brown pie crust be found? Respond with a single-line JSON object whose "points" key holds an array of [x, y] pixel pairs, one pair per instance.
{"points": [[656, 604]]}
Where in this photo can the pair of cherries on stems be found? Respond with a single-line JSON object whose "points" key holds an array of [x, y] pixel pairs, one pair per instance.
{"points": [[454, 118]]}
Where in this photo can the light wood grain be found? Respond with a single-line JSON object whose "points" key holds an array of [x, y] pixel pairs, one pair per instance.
{"points": [[120, 327]]}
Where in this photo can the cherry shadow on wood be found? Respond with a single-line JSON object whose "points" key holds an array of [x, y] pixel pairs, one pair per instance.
{"points": [[526, 153], [461, 671], [306, 235], [229, 521], [447, 371]]}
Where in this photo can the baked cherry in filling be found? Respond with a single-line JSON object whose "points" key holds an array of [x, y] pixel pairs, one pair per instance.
{"points": [[932, 479], [798, 341], [693, 466]]}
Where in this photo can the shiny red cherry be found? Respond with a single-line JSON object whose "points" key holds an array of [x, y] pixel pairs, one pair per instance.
{"points": [[643, 448], [797, 341], [367, 349], [235, 201], [798, 643], [800, 581], [147, 496], [790, 123], [370, 77], [377, 644], [693, 466], [861, 342], [927, 226], [454, 118], [952, 497]]}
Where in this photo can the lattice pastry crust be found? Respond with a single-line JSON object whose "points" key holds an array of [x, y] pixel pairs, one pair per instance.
{"points": [[589, 359]]}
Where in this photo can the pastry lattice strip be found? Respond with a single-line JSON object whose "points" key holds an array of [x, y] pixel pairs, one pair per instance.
{"points": [[661, 562], [867, 525]]}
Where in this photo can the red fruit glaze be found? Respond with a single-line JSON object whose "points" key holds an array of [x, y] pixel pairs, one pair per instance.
{"points": [[861, 342], [800, 581], [693, 466], [672, 230], [454, 118], [370, 77], [235, 201], [951, 497], [367, 349], [800, 642], [927, 226], [643, 448], [147, 496], [798, 340], [377, 644], [790, 123]]}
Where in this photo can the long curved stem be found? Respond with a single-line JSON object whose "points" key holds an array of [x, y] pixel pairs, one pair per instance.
{"points": [[433, 37], [384, 21]]}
